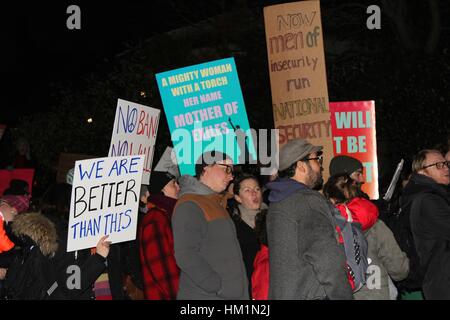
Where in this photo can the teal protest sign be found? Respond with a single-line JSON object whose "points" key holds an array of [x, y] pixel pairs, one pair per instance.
{"points": [[205, 111]]}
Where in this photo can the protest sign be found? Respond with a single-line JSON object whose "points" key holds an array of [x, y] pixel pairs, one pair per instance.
{"points": [[134, 133], [105, 200], [297, 74], [20, 174], [354, 135], [205, 111]]}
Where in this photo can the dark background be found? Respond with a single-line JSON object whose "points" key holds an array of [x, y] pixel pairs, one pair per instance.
{"points": [[55, 78]]}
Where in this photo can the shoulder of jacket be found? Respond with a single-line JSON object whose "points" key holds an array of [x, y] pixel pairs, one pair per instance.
{"points": [[430, 197], [153, 215], [313, 197], [192, 199]]}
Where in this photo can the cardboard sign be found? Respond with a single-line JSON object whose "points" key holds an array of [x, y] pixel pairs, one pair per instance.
{"points": [[354, 135], [205, 111], [105, 200], [134, 133], [298, 75], [21, 174]]}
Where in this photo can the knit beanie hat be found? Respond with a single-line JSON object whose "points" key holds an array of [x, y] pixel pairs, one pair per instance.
{"points": [[209, 158], [20, 203], [344, 164], [159, 180]]}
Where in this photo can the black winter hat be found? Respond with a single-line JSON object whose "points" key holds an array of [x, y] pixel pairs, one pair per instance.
{"points": [[209, 158], [344, 164], [159, 180]]}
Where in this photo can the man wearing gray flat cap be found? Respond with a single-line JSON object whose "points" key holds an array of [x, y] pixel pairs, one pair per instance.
{"points": [[306, 260]]}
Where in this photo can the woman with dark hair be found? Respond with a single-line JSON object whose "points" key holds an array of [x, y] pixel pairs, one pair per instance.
{"points": [[247, 203], [384, 256]]}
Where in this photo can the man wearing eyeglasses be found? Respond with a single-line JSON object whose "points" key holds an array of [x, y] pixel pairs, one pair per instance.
{"points": [[429, 202], [206, 246], [306, 261]]}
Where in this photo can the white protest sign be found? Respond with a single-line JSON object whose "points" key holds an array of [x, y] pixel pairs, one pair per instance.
{"points": [[105, 200], [134, 132]]}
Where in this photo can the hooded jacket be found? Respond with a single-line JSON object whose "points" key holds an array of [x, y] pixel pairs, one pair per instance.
{"points": [[31, 275], [430, 225], [384, 254], [306, 261], [90, 265], [39, 230], [206, 246]]}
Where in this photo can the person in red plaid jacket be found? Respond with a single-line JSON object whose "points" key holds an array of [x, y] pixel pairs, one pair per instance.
{"points": [[159, 269]]}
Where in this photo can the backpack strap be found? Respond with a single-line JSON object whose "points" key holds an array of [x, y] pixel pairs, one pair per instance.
{"points": [[349, 214]]}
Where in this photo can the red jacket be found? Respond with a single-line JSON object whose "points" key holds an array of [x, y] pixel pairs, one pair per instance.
{"points": [[159, 269], [362, 211], [260, 276]]}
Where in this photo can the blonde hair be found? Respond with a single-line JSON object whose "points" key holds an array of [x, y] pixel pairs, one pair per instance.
{"points": [[419, 159]]}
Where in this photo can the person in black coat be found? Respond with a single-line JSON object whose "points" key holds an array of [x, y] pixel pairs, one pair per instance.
{"points": [[55, 206], [243, 208], [428, 195], [30, 275]]}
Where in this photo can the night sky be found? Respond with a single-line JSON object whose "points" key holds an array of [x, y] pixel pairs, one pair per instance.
{"points": [[38, 49], [39, 52]]}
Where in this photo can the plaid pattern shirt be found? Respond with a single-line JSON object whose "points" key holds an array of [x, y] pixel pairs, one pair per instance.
{"points": [[159, 269]]}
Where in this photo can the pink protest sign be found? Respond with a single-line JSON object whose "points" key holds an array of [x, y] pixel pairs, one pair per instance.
{"points": [[354, 134]]}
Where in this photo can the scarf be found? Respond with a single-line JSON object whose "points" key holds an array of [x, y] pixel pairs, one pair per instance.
{"points": [[248, 215]]}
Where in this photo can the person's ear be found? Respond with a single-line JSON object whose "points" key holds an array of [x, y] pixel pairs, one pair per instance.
{"points": [[207, 168], [238, 199], [302, 166]]}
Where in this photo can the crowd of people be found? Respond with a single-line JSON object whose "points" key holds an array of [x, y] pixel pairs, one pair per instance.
{"points": [[225, 233]]}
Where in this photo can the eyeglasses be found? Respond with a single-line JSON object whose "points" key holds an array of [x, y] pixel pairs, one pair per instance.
{"points": [[318, 158], [439, 165], [228, 170]]}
